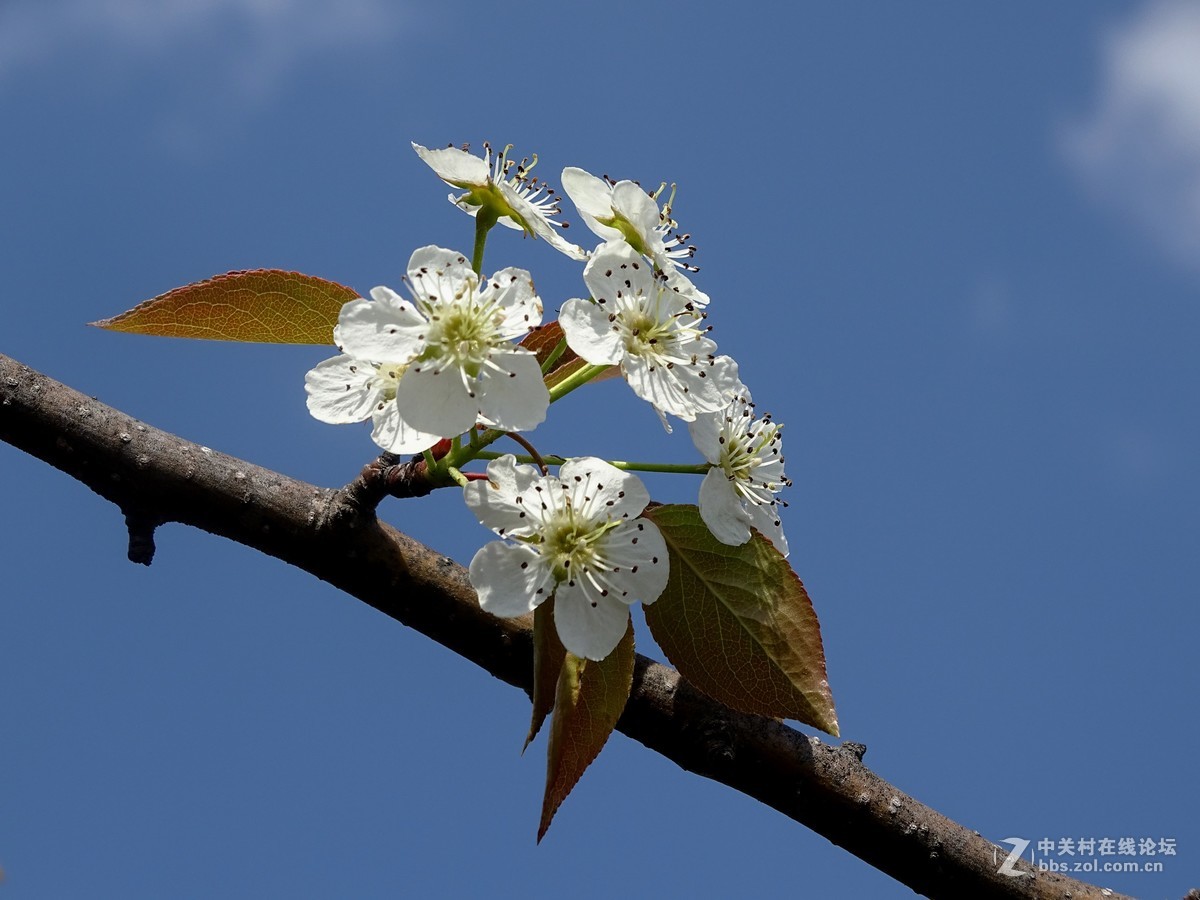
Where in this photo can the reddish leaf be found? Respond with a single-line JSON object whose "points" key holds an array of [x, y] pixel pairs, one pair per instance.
{"points": [[590, 698], [548, 655], [265, 306], [738, 624], [542, 341]]}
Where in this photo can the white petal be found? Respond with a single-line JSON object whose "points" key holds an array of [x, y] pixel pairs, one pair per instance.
{"points": [[706, 435], [339, 390], [590, 334], [512, 289], [454, 166], [600, 491], [680, 283], [515, 399], [501, 503], [510, 579], [721, 509], [386, 328], [766, 520], [683, 390], [437, 402], [446, 264], [617, 270], [589, 194], [462, 203], [724, 374], [592, 196], [394, 434], [589, 631], [637, 549], [632, 203]]}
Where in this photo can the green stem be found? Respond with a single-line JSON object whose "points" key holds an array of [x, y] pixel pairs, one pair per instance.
{"points": [[557, 352], [484, 220], [624, 465], [579, 379], [456, 459]]}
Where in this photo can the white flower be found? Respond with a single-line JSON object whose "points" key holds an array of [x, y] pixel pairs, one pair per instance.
{"points": [[652, 330], [576, 538], [624, 211], [505, 188], [353, 388], [345, 389], [448, 360], [747, 472], [464, 367]]}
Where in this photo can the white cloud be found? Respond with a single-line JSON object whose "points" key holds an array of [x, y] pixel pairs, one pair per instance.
{"points": [[258, 41], [1139, 149]]}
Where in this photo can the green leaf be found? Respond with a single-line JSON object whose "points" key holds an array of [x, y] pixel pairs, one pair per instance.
{"points": [[265, 306], [738, 624], [548, 655], [590, 699]]}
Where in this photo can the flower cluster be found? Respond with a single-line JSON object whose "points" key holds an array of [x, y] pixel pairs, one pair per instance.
{"points": [[444, 363]]}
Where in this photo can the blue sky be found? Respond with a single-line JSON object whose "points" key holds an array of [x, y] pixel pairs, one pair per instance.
{"points": [[954, 248]]}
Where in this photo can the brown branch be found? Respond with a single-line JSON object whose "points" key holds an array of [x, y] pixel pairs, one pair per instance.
{"points": [[155, 477]]}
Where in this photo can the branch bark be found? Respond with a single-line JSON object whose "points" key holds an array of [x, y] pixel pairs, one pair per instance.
{"points": [[155, 477]]}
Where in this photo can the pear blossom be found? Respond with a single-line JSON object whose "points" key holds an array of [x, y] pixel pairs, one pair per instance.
{"points": [[353, 388], [345, 389], [505, 189], [440, 363], [575, 537], [746, 455], [652, 330], [624, 211]]}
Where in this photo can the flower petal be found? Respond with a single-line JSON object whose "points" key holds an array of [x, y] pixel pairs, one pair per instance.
{"points": [[681, 284], [640, 565], [632, 203], [721, 509], [339, 390], [437, 400], [512, 290], [455, 167], [592, 196], [600, 491], [505, 500], [515, 398], [682, 390], [589, 631], [615, 271], [511, 579], [386, 328], [394, 434], [765, 518], [432, 258], [589, 332], [706, 435]]}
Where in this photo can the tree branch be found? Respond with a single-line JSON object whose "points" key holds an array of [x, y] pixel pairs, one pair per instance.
{"points": [[155, 477]]}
